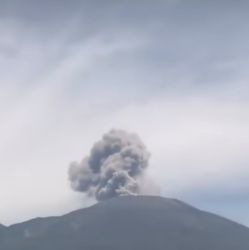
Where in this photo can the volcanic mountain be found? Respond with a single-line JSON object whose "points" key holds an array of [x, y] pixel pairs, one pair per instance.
{"points": [[128, 223]]}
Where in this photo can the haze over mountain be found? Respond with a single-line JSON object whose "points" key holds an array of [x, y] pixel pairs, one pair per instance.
{"points": [[128, 222]]}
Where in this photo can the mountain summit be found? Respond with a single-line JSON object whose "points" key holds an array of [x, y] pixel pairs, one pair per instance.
{"points": [[128, 223]]}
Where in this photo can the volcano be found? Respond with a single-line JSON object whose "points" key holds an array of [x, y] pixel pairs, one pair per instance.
{"points": [[128, 223]]}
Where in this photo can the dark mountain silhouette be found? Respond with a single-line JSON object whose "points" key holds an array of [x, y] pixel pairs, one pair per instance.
{"points": [[128, 223]]}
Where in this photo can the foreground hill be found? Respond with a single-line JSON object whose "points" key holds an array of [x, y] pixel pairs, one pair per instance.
{"points": [[128, 223]]}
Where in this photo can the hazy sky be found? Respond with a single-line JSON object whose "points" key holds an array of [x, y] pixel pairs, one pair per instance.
{"points": [[173, 71]]}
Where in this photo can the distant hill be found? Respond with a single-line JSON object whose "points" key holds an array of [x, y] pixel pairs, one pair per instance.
{"points": [[128, 223]]}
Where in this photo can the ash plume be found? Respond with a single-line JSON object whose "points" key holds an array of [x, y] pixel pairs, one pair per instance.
{"points": [[114, 167]]}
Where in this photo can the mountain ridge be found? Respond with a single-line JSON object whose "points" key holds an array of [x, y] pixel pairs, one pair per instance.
{"points": [[129, 222], [120, 197]]}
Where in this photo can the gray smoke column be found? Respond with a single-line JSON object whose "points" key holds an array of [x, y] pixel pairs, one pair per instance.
{"points": [[113, 168]]}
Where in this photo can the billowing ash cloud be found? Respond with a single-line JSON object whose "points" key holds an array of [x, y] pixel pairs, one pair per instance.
{"points": [[113, 168]]}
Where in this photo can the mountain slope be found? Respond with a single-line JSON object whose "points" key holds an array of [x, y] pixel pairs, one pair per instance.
{"points": [[131, 222]]}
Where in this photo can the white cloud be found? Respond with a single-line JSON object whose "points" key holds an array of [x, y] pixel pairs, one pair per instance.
{"points": [[194, 143]]}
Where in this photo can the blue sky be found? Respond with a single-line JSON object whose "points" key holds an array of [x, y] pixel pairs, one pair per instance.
{"points": [[175, 72]]}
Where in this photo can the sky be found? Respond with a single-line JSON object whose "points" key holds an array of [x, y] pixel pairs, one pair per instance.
{"points": [[172, 71]]}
